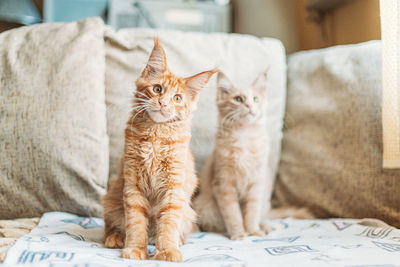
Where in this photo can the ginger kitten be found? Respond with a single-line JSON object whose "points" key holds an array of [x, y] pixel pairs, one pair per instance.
{"points": [[150, 199], [234, 179]]}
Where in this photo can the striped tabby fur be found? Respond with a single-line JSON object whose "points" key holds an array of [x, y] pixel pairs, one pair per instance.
{"points": [[150, 200]]}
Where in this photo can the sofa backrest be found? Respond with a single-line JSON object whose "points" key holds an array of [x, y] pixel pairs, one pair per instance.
{"points": [[53, 140], [241, 57], [332, 147]]}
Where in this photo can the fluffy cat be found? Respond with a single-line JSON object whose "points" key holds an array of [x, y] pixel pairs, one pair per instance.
{"points": [[234, 180], [150, 200]]}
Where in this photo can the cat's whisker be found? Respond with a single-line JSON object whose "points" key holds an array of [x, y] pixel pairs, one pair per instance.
{"points": [[140, 102], [235, 116], [137, 112], [231, 117], [141, 98], [142, 94], [226, 117], [139, 105], [137, 102]]}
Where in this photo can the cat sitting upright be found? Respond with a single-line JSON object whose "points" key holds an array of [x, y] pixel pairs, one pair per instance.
{"points": [[235, 179], [150, 199]]}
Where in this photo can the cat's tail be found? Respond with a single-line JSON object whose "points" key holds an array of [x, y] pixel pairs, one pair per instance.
{"points": [[293, 212]]}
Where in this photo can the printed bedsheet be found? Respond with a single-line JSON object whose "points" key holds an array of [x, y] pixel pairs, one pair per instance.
{"points": [[63, 239]]}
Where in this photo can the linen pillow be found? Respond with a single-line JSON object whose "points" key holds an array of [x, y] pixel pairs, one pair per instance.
{"points": [[241, 57], [53, 141], [332, 146]]}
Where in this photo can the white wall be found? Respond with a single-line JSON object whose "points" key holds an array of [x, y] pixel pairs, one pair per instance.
{"points": [[267, 18]]}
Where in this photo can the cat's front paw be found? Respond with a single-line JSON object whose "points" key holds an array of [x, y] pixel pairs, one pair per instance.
{"points": [[135, 253], [257, 233], [115, 240], [266, 227], [171, 254], [238, 236]]}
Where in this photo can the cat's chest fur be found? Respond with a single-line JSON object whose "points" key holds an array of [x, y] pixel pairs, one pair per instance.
{"points": [[156, 158], [153, 156], [247, 155], [154, 162]]}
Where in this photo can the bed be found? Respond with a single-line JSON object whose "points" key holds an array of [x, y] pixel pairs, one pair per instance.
{"points": [[63, 239]]}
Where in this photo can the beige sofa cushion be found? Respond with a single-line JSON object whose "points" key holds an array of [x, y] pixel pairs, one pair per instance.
{"points": [[53, 142], [241, 57], [332, 146]]}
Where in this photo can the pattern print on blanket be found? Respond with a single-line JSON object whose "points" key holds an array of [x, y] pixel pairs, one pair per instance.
{"points": [[86, 223], [281, 251], [283, 239], [37, 256], [376, 232], [63, 239]]}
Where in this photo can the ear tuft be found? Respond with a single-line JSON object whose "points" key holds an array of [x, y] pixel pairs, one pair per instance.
{"points": [[224, 85], [260, 82], [196, 83], [157, 63]]}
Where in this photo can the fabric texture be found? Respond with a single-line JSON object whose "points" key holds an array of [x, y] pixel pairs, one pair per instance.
{"points": [[11, 230], [241, 57], [390, 22], [63, 239], [332, 147], [53, 141]]}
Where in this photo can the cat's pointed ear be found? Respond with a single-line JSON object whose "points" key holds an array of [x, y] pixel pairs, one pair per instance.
{"points": [[157, 63], [224, 85], [195, 83], [260, 83]]}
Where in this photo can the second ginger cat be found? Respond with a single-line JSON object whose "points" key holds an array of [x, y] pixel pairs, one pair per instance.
{"points": [[234, 180]]}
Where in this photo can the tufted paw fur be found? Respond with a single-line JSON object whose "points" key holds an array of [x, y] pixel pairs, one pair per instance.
{"points": [[257, 233], [266, 227], [135, 253], [238, 236], [171, 254], [115, 240]]}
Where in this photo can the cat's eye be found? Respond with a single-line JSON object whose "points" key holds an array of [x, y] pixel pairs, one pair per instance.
{"points": [[177, 98], [157, 89], [238, 99], [255, 99]]}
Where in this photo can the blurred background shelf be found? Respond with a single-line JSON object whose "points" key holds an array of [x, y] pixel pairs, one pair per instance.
{"points": [[299, 24], [204, 16], [19, 12], [71, 10]]}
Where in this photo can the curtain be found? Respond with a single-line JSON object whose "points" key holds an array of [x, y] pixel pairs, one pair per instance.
{"points": [[390, 23]]}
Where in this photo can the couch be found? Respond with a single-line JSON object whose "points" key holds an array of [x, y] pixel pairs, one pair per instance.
{"points": [[65, 91]]}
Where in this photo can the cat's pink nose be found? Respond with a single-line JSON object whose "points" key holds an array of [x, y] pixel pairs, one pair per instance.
{"points": [[162, 104], [249, 106]]}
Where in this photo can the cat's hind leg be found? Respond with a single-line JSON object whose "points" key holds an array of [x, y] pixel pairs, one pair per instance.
{"points": [[114, 218], [114, 240], [209, 218], [187, 225]]}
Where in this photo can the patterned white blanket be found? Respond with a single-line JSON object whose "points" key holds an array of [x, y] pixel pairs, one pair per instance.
{"points": [[63, 239]]}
